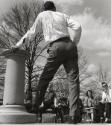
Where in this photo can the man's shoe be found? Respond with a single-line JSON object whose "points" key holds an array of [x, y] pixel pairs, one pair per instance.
{"points": [[72, 120], [107, 120]]}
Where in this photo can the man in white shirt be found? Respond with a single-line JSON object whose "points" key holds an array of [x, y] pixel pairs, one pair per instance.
{"points": [[62, 50], [106, 101], [106, 94]]}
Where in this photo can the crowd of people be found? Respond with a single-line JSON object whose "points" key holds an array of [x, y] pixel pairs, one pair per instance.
{"points": [[90, 109], [98, 110]]}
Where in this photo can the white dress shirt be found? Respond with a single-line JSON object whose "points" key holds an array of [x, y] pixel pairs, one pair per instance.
{"points": [[106, 96], [53, 25]]}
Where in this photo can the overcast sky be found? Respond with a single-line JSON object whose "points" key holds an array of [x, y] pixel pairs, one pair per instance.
{"points": [[95, 18]]}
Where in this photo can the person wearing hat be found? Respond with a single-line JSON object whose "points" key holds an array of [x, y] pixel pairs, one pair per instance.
{"points": [[106, 101]]}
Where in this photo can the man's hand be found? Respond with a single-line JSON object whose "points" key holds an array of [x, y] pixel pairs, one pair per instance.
{"points": [[18, 44], [14, 48]]}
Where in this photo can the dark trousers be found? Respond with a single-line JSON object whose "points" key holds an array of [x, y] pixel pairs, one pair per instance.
{"points": [[62, 51], [105, 107], [108, 110]]}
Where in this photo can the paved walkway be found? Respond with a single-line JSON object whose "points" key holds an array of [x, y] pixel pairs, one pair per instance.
{"points": [[57, 124]]}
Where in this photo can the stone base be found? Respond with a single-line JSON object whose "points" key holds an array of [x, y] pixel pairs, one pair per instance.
{"points": [[48, 118], [15, 114]]}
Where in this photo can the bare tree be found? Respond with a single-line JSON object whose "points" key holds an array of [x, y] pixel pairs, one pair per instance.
{"points": [[2, 72], [15, 24], [103, 74], [83, 65]]}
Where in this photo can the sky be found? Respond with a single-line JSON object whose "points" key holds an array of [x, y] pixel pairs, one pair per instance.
{"points": [[95, 19]]}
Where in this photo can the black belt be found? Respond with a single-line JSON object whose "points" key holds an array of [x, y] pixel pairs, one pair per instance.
{"points": [[61, 39]]}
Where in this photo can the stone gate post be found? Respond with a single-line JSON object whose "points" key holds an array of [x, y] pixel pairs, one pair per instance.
{"points": [[13, 109]]}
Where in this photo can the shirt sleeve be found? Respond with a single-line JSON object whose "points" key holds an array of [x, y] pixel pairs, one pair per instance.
{"points": [[103, 97], [75, 26], [55, 102], [31, 33]]}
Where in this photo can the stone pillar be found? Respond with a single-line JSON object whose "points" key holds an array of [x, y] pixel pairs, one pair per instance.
{"points": [[13, 110]]}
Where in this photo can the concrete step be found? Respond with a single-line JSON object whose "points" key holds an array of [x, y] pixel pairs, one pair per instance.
{"points": [[48, 118], [57, 124]]}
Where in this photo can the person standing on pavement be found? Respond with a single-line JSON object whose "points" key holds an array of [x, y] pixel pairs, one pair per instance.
{"points": [[106, 101], [61, 49]]}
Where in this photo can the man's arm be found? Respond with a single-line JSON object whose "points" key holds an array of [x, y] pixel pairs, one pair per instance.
{"points": [[31, 33], [76, 27], [55, 102]]}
